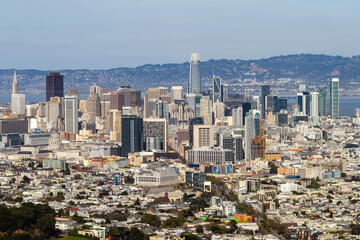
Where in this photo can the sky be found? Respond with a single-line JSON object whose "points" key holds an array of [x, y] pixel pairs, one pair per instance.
{"points": [[95, 34]]}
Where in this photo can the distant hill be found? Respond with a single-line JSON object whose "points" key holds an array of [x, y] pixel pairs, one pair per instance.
{"points": [[307, 68]]}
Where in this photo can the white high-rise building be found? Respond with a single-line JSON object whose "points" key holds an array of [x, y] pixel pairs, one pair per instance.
{"points": [[237, 116], [18, 103], [314, 104], [17, 99], [177, 92], [206, 109], [71, 114]]}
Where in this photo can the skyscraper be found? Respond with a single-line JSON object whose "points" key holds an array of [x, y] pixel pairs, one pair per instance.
{"points": [[93, 104], [15, 84], [265, 90], [71, 114], [117, 100], [322, 101], [54, 85], [195, 74], [131, 134], [252, 129], [314, 104], [334, 98], [177, 92], [203, 135], [216, 89], [17, 99]]}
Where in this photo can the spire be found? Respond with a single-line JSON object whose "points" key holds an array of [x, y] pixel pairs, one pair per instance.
{"points": [[15, 84]]}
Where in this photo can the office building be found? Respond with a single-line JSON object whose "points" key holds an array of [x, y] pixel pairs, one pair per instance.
{"points": [[255, 103], [18, 103], [216, 91], [54, 164], [195, 74], [156, 178], [237, 116], [194, 121], [206, 110], [17, 99], [36, 138], [117, 100], [218, 110], [238, 148], [303, 100], [196, 178], [206, 154], [13, 126], [193, 101], [93, 104], [151, 96], [322, 101], [334, 98], [203, 135], [73, 92], [177, 92], [131, 134], [252, 129], [265, 90], [156, 129], [54, 109], [282, 118], [314, 104], [161, 109], [132, 98], [71, 114], [54, 85]]}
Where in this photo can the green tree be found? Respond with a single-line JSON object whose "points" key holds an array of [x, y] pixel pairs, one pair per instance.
{"points": [[199, 229], [152, 220]]}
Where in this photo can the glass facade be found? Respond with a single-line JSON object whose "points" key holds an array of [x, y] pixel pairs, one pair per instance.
{"points": [[334, 98], [322, 101], [195, 74], [132, 132]]}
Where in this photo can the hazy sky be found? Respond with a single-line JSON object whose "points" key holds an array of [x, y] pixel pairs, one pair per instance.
{"points": [[101, 34]]}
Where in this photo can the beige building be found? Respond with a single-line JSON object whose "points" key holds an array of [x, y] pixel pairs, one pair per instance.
{"points": [[203, 135]]}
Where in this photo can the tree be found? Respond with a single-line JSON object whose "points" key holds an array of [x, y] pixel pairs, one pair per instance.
{"points": [[199, 229], [26, 179], [152, 220], [137, 202], [190, 236], [122, 233], [273, 168], [343, 175]]}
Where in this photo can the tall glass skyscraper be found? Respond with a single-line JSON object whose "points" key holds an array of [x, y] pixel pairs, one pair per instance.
{"points": [[265, 90], [334, 98], [132, 134], [322, 101], [216, 89], [195, 74]]}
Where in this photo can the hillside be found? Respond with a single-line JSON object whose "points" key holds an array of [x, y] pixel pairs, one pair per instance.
{"points": [[307, 68]]}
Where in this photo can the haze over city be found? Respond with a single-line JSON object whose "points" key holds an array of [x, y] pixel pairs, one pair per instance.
{"points": [[91, 34]]}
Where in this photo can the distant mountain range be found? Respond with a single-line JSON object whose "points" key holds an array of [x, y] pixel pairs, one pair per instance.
{"points": [[281, 71]]}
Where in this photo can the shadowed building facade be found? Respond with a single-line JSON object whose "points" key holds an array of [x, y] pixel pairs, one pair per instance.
{"points": [[54, 85]]}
